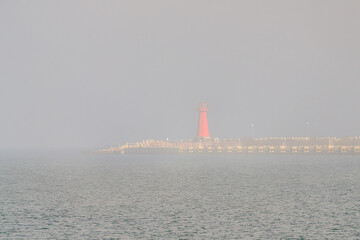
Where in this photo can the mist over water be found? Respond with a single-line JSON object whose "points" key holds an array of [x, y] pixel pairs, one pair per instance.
{"points": [[87, 75], [179, 197], [93, 74]]}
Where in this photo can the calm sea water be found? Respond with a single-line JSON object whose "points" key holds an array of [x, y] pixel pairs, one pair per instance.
{"points": [[83, 196]]}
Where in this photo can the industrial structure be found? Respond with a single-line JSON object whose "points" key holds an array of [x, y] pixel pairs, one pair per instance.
{"points": [[250, 145]]}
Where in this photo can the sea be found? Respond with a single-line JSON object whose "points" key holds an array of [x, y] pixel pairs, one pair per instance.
{"points": [[76, 195]]}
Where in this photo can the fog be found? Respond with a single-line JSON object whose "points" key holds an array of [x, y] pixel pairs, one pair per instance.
{"points": [[92, 74]]}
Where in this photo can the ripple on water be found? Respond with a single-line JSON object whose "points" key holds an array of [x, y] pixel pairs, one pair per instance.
{"points": [[181, 197]]}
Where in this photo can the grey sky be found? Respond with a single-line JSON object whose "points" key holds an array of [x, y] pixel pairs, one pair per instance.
{"points": [[89, 74]]}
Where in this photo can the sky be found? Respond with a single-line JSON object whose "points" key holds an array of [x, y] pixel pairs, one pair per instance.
{"points": [[92, 74]]}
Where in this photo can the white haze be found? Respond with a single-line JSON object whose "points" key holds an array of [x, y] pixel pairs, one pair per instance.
{"points": [[91, 74]]}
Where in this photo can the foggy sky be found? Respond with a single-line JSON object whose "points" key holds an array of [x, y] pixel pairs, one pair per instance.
{"points": [[91, 74]]}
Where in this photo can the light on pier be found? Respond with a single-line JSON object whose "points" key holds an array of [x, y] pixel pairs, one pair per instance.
{"points": [[203, 129]]}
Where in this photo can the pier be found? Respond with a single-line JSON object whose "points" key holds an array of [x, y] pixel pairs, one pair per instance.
{"points": [[272, 145], [204, 144]]}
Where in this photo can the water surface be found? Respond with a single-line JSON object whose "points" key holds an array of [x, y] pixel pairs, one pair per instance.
{"points": [[77, 196]]}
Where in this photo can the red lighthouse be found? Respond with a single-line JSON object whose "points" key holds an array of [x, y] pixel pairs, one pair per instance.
{"points": [[203, 129]]}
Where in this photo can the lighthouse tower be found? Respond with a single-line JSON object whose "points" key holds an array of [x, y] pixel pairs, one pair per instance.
{"points": [[203, 129]]}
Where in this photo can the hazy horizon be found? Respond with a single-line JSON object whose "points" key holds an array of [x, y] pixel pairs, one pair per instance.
{"points": [[91, 74]]}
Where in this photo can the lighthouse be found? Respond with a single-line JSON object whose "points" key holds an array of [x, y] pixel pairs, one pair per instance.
{"points": [[203, 129]]}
